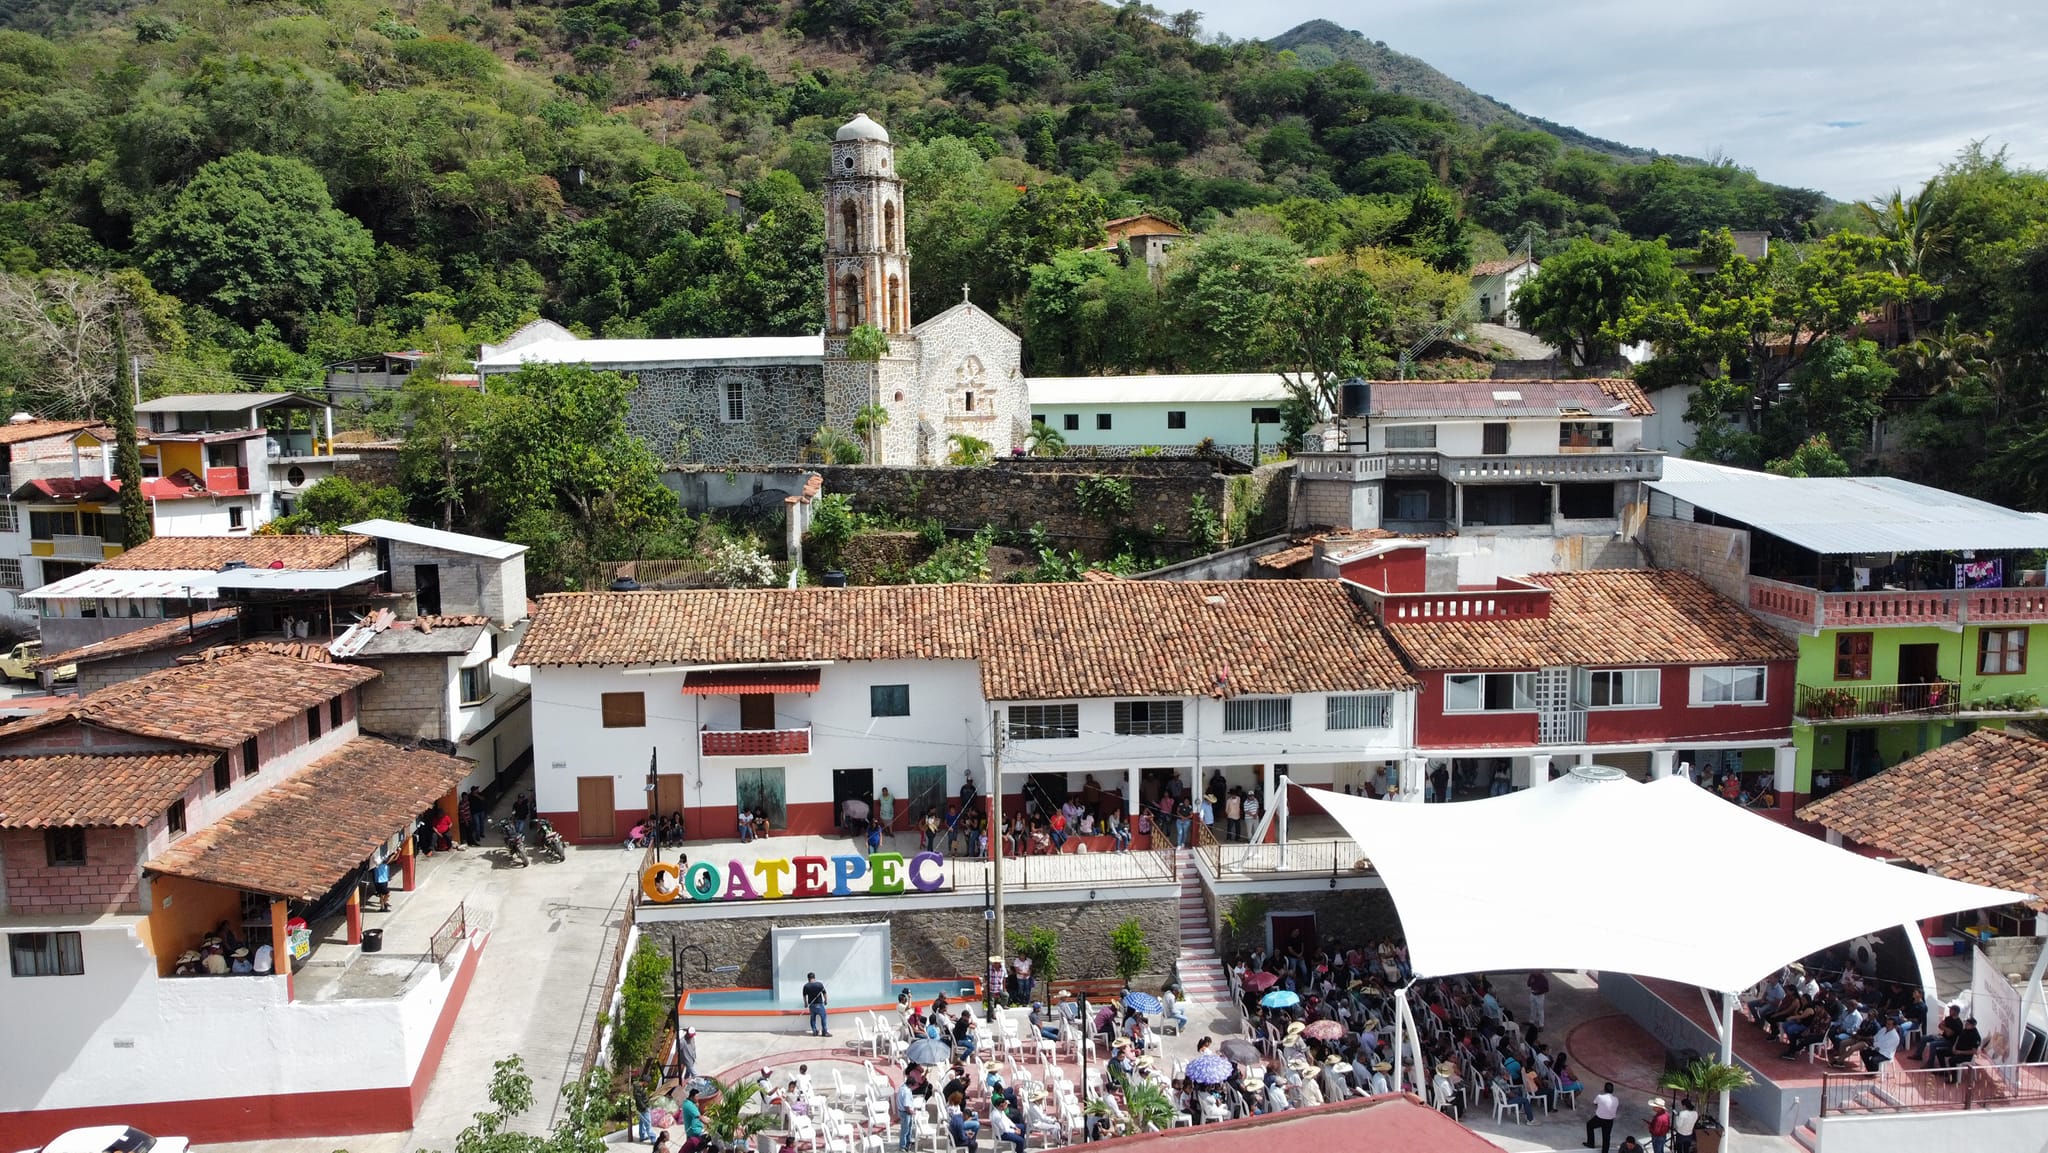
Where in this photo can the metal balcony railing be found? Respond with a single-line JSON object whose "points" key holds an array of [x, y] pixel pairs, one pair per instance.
{"points": [[1854, 702]]}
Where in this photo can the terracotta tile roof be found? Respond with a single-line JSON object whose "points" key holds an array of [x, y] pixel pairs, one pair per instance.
{"points": [[1975, 809], [216, 702], [168, 633], [120, 790], [28, 430], [1602, 617], [1496, 267], [1034, 642], [304, 834], [211, 552]]}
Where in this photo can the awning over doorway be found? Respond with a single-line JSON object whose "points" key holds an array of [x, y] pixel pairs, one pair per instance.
{"points": [[738, 682], [306, 833], [1669, 881]]}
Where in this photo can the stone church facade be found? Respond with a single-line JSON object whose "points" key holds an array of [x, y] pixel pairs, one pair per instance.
{"points": [[759, 400]]}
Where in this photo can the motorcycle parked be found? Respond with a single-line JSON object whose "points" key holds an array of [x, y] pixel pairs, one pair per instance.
{"points": [[546, 838], [516, 850]]}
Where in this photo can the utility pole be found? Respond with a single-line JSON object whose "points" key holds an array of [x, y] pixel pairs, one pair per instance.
{"points": [[135, 376], [995, 844]]}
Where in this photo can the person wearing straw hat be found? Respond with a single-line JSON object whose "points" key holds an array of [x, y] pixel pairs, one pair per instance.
{"points": [[1378, 1083], [1659, 1123], [1311, 1089], [240, 962], [1037, 1120]]}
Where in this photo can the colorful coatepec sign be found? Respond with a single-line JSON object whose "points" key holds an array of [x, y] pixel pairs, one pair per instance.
{"points": [[778, 878]]}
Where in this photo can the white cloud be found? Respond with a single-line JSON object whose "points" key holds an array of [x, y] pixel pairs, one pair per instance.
{"points": [[1853, 97]]}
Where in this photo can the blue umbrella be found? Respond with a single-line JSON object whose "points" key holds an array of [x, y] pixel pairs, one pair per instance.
{"points": [[1142, 1002], [1208, 1069], [1281, 999]]}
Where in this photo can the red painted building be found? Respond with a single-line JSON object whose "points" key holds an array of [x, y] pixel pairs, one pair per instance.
{"points": [[1645, 670]]}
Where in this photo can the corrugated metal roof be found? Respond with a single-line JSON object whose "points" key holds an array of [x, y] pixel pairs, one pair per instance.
{"points": [[437, 539], [1190, 388], [634, 353], [1854, 515], [224, 401], [198, 583]]}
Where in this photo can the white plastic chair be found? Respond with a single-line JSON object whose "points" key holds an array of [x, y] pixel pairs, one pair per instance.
{"points": [[867, 1039], [1446, 1104], [1503, 1104]]}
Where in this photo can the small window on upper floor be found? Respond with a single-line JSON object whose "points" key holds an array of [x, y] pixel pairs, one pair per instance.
{"points": [[1585, 434], [252, 758], [1411, 436], [63, 847], [223, 774], [235, 514], [46, 954], [334, 711], [1071, 422], [1852, 656], [888, 700], [735, 408], [1176, 418], [476, 684], [1102, 422], [174, 818], [1265, 416], [624, 710], [313, 723]]}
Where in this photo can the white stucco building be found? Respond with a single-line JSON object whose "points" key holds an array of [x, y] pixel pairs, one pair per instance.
{"points": [[791, 701]]}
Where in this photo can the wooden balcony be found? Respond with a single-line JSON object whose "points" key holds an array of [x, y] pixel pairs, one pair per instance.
{"points": [[1852, 703], [1812, 609], [755, 742]]}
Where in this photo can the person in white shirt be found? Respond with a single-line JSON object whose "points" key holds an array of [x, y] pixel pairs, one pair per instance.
{"points": [[1882, 1046], [1170, 1010], [803, 1084], [1682, 1125], [263, 960], [1606, 1107]]}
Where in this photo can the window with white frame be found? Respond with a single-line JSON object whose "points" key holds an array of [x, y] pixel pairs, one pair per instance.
{"points": [[46, 954], [1148, 718], [10, 516], [1259, 715], [735, 398], [476, 684], [1358, 711], [10, 573], [1728, 685], [1044, 722], [1411, 436], [1616, 688], [1489, 692]]}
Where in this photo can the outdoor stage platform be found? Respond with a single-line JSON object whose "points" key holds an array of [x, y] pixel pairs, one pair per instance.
{"points": [[1786, 1095]]}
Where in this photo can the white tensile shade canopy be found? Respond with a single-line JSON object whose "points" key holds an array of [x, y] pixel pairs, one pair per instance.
{"points": [[1679, 883]]}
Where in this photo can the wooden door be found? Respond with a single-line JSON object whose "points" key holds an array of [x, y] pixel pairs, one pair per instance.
{"points": [[668, 793], [1493, 439], [596, 819], [757, 711]]}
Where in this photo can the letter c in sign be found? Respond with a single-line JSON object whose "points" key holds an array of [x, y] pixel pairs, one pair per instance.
{"points": [[650, 883], [918, 880]]}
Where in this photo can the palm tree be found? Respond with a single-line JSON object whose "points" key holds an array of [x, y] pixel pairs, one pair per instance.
{"points": [[1046, 440], [1908, 222], [726, 1119], [868, 424], [1706, 1080], [971, 451]]}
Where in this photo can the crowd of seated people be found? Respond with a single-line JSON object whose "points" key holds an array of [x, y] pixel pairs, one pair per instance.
{"points": [[222, 953], [1855, 1021]]}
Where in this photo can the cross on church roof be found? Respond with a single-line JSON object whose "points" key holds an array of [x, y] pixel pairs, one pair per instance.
{"points": [[963, 292]]}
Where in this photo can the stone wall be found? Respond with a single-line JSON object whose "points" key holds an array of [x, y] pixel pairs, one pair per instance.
{"points": [[680, 412], [373, 463], [1014, 493], [409, 700], [932, 943], [1718, 556], [1346, 916]]}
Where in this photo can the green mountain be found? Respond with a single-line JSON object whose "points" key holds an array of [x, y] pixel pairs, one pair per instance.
{"points": [[1400, 72], [300, 182]]}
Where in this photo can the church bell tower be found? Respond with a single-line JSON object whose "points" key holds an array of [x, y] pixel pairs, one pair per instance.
{"points": [[867, 267]]}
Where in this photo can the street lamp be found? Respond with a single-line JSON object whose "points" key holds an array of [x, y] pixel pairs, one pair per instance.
{"points": [[988, 948]]}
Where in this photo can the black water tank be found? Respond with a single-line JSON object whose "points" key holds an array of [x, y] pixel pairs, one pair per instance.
{"points": [[1354, 398], [625, 584], [835, 579]]}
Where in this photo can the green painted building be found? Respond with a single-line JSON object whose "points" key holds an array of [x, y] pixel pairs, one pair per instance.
{"points": [[1918, 613]]}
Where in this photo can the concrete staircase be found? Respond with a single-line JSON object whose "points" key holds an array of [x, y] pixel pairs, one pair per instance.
{"points": [[1201, 969]]}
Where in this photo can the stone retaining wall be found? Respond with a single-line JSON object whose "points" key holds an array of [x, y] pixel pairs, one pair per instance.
{"points": [[934, 942]]}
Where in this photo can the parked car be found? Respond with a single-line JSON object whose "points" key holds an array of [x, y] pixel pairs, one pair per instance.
{"points": [[111, 1139], [19, 663]]}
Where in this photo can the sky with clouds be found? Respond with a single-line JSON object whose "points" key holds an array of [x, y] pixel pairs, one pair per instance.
{"points": [[1852, 98]]}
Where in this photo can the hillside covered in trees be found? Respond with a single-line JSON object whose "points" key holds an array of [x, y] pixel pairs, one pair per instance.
{"points": [[268, 187]]}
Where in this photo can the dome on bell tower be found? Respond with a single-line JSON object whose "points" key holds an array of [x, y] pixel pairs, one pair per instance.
{"points": [[862, 128]]}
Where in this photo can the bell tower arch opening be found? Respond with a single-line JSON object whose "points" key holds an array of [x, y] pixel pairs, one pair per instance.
{"points": [[866, 262]]}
